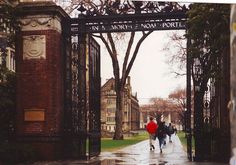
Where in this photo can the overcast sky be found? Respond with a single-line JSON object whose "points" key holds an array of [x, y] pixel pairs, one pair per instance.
{"points": [[151, 75]]}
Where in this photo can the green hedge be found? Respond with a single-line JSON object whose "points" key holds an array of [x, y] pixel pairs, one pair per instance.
{"points": [[183, 140]]}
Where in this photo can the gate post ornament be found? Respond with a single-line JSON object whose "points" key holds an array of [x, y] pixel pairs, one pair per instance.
{"points": [[34, 47]]}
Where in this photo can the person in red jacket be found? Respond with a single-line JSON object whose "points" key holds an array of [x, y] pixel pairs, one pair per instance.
{"points": [[151, 129]]}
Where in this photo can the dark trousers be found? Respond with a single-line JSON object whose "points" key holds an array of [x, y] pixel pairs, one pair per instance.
{"points": [[161, 141]]}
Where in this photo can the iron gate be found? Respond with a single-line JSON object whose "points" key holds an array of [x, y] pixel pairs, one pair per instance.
{"points": [[82, 104], [94, 132]]}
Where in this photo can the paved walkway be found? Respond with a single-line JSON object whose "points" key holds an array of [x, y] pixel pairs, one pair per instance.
{"points": [[139, 154], [173, 153]]}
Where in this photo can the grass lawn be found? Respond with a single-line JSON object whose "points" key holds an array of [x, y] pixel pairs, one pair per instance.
{"points": [[183, 140], [110, 145]]}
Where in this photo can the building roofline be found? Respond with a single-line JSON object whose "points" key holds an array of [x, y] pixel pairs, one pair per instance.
{"points": [[107, 82]]}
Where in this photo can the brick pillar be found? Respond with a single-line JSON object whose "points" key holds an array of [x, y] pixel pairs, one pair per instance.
{"points": [[40, 77]]}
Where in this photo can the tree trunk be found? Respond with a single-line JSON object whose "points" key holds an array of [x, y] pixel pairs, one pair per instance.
{"points": [[119, 115]]}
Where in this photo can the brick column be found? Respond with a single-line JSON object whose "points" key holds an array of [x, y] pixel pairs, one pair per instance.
{"points": [[40, 77]]}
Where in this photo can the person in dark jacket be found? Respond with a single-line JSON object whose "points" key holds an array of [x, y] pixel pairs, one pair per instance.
{"points": [[170, 131], [151, 129], [161, 135]]}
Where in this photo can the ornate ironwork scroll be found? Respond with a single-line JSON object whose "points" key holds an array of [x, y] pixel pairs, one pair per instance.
{"points": [[130, 16]]}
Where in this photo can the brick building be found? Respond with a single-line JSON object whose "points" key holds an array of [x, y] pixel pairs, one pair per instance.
{"points": [[131, 119], [169, 116]]}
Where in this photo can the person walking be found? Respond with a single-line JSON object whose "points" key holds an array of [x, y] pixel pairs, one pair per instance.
{"points": [[151, 129], [170, 131], [161, 134], [175, 130]]}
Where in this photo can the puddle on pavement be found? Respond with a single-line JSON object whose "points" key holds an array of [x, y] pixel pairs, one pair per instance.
{"points": [[162, 163], [123, 154], [111, 162]]}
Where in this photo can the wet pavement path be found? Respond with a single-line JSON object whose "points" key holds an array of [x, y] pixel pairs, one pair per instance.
{"points": [[139, 154], [173, 154]]}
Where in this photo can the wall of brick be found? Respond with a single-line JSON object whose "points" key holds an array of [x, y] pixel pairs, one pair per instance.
{"points": [[40, 86]]}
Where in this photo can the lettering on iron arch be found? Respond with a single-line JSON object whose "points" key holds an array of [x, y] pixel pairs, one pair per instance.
{"points": [[122, 27]]}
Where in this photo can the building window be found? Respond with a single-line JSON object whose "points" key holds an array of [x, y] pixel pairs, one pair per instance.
{"points": [[111, 110], [12, 61], [111, 101], [111, 119]]}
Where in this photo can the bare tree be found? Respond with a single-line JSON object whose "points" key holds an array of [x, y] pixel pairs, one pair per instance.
{"points": [[162, 106], [120, 77], [120, 70], [179, 97], [176, 52]]}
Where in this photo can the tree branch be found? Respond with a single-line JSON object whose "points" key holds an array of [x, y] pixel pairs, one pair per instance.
{"points": [[136, 52], [131, 40], [113, 47], [97, 36], [113, 58], [107, 45], [179, 74]]}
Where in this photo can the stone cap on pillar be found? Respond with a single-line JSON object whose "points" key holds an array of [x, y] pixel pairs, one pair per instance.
{"points": [[38, 15], [29, 7]]}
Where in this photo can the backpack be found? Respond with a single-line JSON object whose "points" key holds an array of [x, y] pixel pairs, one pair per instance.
{"points": [[161, 133]]}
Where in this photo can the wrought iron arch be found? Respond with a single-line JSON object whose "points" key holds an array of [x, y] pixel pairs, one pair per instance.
{"points": [[130, 16], [111, 16]]}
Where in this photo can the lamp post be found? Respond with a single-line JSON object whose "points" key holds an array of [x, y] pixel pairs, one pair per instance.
{"points": [[184, 110], [185, 120]]}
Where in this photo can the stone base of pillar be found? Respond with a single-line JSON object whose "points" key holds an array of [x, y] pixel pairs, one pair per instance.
{"points": [[44, 147]]}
